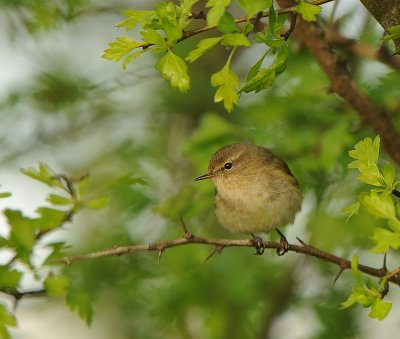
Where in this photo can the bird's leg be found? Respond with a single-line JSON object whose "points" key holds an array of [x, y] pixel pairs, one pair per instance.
{"points": [[258, 243], [284, 244]]}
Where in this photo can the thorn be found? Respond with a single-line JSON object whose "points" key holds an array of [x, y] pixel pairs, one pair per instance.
{"points": [[339, 273], [384, 263], [160, 252], [186, 234], [217, 249], [301, 241]]}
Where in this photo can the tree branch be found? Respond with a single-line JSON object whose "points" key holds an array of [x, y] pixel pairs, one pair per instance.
{"points": [[342, 83], [160, 247]]}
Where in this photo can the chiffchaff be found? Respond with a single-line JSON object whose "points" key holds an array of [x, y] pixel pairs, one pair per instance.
{"points": [[255, 191]]}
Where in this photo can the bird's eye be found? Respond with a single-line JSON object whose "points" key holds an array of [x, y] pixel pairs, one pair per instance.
{"points": [[228, 165]]}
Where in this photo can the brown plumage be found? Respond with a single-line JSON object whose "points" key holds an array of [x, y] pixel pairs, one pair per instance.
{"points": [[255, 190]]}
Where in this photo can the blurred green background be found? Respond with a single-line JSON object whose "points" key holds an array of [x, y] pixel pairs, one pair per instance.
{"points": [[62, 104]]}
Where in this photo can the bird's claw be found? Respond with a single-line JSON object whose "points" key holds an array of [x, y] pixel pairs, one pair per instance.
{"points": [[258, 243], [284, 245]]}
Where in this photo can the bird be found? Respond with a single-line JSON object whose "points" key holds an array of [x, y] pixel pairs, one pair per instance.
{"points": [[255, 192]]}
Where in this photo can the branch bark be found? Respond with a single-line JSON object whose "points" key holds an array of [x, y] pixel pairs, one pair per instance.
{"points": [[387, 13], [313, 36], [220, 244]]}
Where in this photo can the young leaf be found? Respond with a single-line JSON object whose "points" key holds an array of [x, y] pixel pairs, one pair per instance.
{"points": [[56, 286], [174, 69], [166, 12], [202, 47], [217, 10], [120, 47], [5, 195], [227, 82], [389, 173], [256, 67], [384, 240], [50, 218], [235, 39], [308, 11], [97, 203], [151, 36], [80, 301], [9, 278], [56, 199], [252, 7], [22, 235], [135, 17], [262, 80], [57, 251], [44, 174], [6, 319], [351, 210], [379, 205], [380, 309], [227, 24], [394, 33]]}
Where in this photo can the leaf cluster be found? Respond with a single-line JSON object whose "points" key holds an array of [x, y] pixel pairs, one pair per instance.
{"points": [[379, 203], [163, 28]]}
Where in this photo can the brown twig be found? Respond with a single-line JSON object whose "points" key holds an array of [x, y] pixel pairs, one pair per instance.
{"points": [[223, 243]]}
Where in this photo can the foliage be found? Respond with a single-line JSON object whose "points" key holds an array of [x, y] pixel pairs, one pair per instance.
{"points": [[165, 27], [25, 237], [379, 203]]}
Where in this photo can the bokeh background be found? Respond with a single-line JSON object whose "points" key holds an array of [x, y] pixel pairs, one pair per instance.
{"points": [[62, 104]]}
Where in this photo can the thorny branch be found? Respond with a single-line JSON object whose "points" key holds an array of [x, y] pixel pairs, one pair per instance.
{"points": [[220, 244]]}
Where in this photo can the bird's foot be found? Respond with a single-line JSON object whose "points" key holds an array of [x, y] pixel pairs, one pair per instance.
{"points": [[284, 245], [258, 243]]}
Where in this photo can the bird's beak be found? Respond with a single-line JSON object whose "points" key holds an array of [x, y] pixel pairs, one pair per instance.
{"points": [[204, 177]]}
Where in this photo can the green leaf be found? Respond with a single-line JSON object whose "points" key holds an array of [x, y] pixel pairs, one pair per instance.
{"points": [[351, 210], [256, 67], [394, 33], [97, 203], [227, 82], [389, 174], [269, 39], [80, 301], [133, 56], [281, 58], [252, 7], [22, 235], [9, 278], [235, 39], [263, 79], [50, 218], [380, 309], [5, 195], [151, 36], [384, 240], [120, 47], [217, 10], [6, 319], [354, 269], [135, 17], [379, 205], [166, 12], [174, 69], [227, 24], [202, 47], [57, 252], [366, 154], [56, 286], [308, 11], [44, 174], [56, 199]]}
